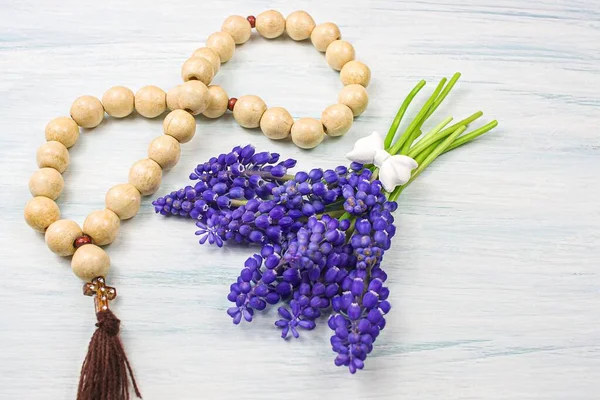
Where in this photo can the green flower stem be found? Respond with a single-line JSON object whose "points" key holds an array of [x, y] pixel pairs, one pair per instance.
{"points": [[394, 128], [430, 158], [406, 146], [438, 150], [344, 216], [472, 135], [416, 123], [375, 174], [238, 203], [424, 153], [428, 140], [444, 93]]}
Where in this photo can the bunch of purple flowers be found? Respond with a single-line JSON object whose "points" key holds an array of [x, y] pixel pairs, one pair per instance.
{"points": [[322, 234]]}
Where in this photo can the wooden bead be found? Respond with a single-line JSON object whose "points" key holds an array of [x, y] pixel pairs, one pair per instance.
{"points": [[270, 24], [324, 34], [193, 97], [40, 212], [64, 130], [61, 235], [355, 72], [90, 262], [299, 25], [150, 101], [356, 97], [223, 44], [276, 123], [248, 110], [102, 226], [173, 98], [238, 27], [46, 182], [124, 200], [338, 53], [145, 175], [87, 111], [197, 68], [53, 155], [210, 55], [307, 133], [118, 101], [180, 124], [165, 150], [218, 102], [337, 119]]}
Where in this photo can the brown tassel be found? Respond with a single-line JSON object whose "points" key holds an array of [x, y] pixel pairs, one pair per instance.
{"points": [[105, 371]]}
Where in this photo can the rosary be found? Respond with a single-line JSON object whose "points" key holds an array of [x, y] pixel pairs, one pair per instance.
{"points": [[322, 233]]}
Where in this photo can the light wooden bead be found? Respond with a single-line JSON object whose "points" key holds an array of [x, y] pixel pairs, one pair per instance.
{"points": [[102, 226], [60, 237], [197, 68], [173, 98], [337, 119], [210, 55], [338, 53], [150, 101], [355, 72], [248, 110], [46, 182], [238, 27], [307, 133], [64, 130], [40, 212], [165, 150], [124, 200], [180, 124], [299, 25], [324, 34], [145, 175], [218, 102], [193, 97], [89, 262], [276, 123], [356, 97], [223, 44], [270, 24], [118, 101], [87, 111], [53, 155]]}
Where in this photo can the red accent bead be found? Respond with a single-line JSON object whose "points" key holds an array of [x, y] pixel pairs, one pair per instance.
{"points": [[231, 103], [81, 240], [252, 20]]}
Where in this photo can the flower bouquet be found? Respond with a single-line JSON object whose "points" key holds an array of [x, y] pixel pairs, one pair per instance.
{"points": [[322, 234]]}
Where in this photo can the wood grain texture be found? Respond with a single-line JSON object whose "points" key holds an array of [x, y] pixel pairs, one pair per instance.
{"points": [[494, 271]]}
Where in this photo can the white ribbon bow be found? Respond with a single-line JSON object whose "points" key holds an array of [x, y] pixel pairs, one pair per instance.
{"points": [[393, 170]]}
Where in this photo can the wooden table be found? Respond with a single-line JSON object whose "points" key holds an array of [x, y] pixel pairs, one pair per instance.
{"points": [[493, 273]]}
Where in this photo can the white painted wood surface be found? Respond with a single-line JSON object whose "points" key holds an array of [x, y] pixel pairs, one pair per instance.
{"points": [[494, 271]]}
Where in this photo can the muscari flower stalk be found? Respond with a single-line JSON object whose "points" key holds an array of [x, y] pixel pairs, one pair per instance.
{"points": [[323, 234]]}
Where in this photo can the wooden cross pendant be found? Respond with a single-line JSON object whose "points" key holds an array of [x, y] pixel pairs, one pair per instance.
{"points": [[103, 294]]}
